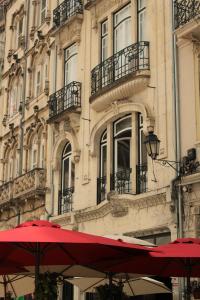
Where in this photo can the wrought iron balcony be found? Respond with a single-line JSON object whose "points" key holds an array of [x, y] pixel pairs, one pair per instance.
{"points": [[141, 179], [127, 61], [65, 203], [101, 189], [67, 98], [185, 11], [121, 182], [65, 10], [30, 183]]}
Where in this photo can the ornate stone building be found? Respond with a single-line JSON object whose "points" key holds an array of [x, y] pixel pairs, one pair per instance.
{"points": [[82, 84]]}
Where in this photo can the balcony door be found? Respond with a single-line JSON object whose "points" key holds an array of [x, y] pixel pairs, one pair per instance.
{"points": [[142, 32], [122, 39], [70, 66], [70, 75], [67, 171], [122, 153]]}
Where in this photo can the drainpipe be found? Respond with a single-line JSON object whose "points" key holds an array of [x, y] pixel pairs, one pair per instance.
{"points": [[24, 90], [176, 98], [177, 127]]}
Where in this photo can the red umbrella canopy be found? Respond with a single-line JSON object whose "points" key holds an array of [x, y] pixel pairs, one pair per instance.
{"points": [[180, 258], [56, 246]]}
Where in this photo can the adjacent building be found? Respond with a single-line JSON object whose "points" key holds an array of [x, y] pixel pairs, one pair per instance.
{"points": [[83, 82]]}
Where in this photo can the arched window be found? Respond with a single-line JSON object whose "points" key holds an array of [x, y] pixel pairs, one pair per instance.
{"points": [[33, 153], [127, 162], [103, 154], [15, 96], [67, 168], [42, 153], [67, 180], [101, 181]]}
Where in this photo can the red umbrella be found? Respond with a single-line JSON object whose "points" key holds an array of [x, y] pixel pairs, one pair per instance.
{"points": [[180, 258], [43, 243]]}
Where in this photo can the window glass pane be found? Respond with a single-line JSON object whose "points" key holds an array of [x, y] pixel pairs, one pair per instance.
{"points": [[122, 29], [72, 174], [70, 64], [123, 154], [103, 160], [122, 125], [104, 40], [66, 173], [67, 150]]}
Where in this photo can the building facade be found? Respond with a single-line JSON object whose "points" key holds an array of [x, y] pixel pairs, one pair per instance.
{"points": [[82, 84]]}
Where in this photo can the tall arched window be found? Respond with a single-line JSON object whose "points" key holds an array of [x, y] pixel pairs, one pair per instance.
{"points": [[33, 153], [103, 154], [15, 96], [101, 181], [127, 163], [67, 180]]}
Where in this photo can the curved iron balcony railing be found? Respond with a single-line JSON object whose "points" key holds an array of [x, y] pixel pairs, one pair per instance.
{"points": [[128, 60], [67, 98], [186, 10], [141, 179], [65, 10], [65, 203]]}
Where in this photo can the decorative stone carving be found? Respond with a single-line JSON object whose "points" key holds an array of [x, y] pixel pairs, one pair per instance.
{"points": [[30, 183]]}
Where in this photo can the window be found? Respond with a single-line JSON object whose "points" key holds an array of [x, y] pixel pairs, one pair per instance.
{"points": [[101, 181], [15, 96], [122, 39], [127, 154], [122, 28], [42, 156], [33, 153], [38, 83], [142, 28], [67, 180], [103, 154], [70, 64], [20, 32], [42, 11], [67, 168], [104, 40]]}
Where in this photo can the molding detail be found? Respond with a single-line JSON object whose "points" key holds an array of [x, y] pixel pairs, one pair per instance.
{"points": [[123, 90], [119, 206]]}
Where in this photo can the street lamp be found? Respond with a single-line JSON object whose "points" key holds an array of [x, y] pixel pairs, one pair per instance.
{"points": [[152, 144]]}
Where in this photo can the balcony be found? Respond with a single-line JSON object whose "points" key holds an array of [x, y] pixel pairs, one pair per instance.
{"points": [[65, 201], [121, 182], [185, 11], [101, 189], [119, 75], [66, 10], [141, 179], [29, 184], [65, 99], [5, 193], [25, 186]]}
